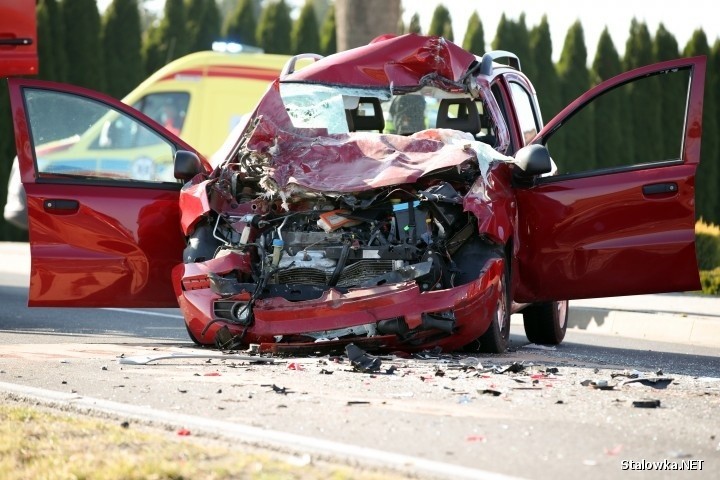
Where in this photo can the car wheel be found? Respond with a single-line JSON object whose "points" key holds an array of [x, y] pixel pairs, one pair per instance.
{"points": [[546, 323], [497, 336]]}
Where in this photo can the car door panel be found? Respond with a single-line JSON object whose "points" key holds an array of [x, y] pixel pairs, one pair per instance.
{"points": [[18, 34], [96, 240], [618, 231]]}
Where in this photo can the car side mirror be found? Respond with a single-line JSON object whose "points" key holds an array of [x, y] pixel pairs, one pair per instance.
{"points": [[186, 165], [533, 160]]}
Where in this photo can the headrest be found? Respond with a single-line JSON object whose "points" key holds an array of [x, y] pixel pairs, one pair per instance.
{"points": [[365, 118], [467, 119]]}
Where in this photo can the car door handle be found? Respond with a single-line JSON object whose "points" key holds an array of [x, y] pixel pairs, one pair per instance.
{"points": [[660, 188], [16, 41], [55, 205]]}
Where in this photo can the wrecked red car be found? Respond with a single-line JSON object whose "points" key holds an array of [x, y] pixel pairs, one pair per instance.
{"points": [[399, 196]]}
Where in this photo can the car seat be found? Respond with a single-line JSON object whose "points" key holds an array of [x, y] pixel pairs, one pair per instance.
{"points": [[467, 119]]}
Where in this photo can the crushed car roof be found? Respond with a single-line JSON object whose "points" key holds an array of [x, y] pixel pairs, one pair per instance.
{"points": [[402, 62]]}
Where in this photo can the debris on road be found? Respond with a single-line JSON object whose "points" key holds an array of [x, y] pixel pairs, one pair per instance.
{"points": [[276, 389], [515, 367], [490, 391], [361, 360], [145, 359], [646, 403], [614, 450], [654, 382], [535, 346], [627, 373], [598, 384]]}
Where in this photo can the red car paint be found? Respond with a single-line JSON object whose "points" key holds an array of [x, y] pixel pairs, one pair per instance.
{"points": [[18, 38], [558, 238]]}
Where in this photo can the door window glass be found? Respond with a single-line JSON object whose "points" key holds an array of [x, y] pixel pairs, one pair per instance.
{"points": [[79, 136], [637, 123], [525, 113]]}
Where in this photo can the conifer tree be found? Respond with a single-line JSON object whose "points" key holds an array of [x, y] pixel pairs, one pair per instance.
{"points": [[274, 27], [240, 25], [414, 26], [708, 200], [306, 33], [673, 91], [168, 40], [609, 109], [474, 40], [546, 78], [576, 139], [328, 33], [121, 44], [520, 46], [713, 83], [203, 24], [665, 46], [607, 61], [441, 23], [401, 27], [514, 37], [51, 41], [503, 34], [644, 108], [84, 59]]}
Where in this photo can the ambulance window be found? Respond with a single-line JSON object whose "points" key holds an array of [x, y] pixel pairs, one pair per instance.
{"points": [[167, 108]]}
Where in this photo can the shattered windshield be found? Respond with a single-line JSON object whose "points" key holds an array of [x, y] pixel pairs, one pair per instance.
{"points": [[322, 106], [339, 110]]}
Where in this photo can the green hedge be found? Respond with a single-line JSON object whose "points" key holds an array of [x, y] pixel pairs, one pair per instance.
{"points": [[708, 251], [707, 245], [710, 280]]}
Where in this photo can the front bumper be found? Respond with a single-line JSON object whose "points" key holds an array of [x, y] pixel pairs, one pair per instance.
{"points": [[400, 316]]}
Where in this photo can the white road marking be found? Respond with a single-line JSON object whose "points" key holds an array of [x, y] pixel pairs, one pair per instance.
{"points": [[254, 435], [141, 312]]}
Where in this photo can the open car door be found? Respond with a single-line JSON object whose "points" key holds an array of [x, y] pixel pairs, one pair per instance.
{"points": [[103, 212], [18, 48], [620, 222]]}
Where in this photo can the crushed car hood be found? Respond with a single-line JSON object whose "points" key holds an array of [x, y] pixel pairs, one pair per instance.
{"points": [[315, 160]]}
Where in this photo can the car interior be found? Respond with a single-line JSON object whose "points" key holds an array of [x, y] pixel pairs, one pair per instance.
{"points": [[463, 114]]}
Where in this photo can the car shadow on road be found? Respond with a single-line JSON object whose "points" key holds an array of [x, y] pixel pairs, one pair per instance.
{"points": [[155, 324]]}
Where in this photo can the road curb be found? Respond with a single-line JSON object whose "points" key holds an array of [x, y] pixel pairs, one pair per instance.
{"points": [[661, 326]]}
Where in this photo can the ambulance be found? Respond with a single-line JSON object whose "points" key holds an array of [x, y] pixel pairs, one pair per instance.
{"points": [[202, 96]]}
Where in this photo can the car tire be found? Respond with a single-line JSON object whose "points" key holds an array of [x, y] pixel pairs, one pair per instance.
{"points": [[546, 323], [497, 336]]}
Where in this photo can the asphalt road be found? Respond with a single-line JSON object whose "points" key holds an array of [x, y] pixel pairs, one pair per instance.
{"points": [[448, 416]]}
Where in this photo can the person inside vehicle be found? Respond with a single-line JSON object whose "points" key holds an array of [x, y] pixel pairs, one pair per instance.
{"points": [[170, 118], [408, 114]]}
